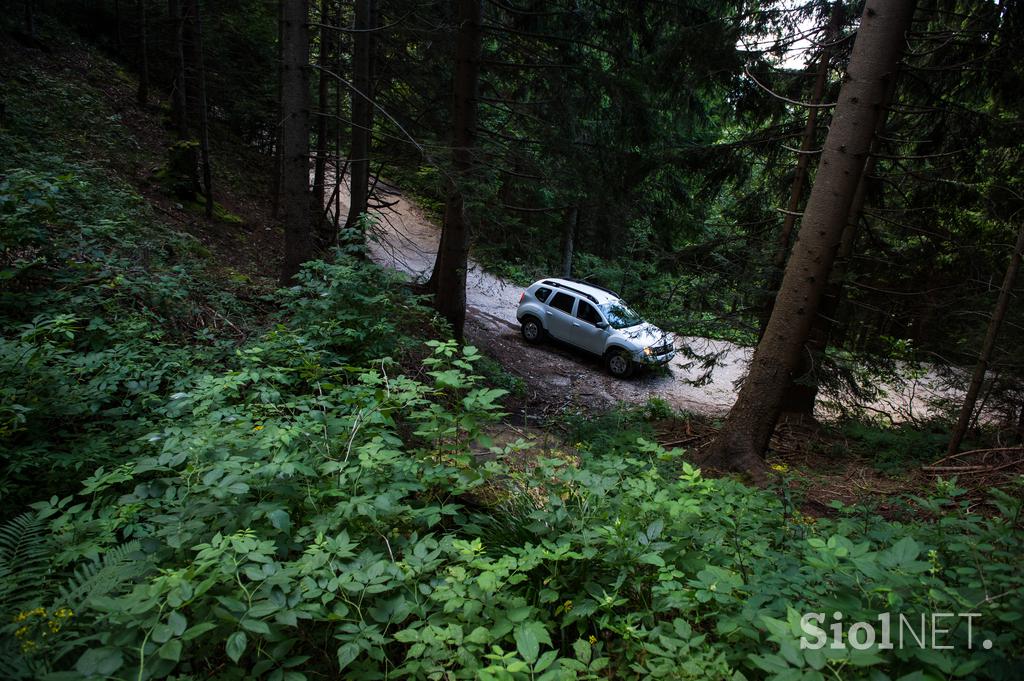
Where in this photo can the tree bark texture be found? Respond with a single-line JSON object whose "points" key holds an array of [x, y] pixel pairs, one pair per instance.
{"points": [[803, 160], [803, 392], [199, 73], [744, 437], [339, 170], [988, 346], [275, 189], [179, 113], [295, 197], [362, 119], [572, 217], [449, 276], [324, 228]]}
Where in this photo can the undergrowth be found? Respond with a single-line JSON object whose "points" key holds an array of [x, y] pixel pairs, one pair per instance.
{"points": [[191, 491], [894, 449]]}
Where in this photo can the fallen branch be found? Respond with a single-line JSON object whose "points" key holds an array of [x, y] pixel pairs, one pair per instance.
{"points": [[995, 450], [685, 440]]}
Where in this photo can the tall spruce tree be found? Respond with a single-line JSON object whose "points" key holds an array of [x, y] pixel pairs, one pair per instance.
{"points": [[742, 441], [449, 276], [295, 195]]}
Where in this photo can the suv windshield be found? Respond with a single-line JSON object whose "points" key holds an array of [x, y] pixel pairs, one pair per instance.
{"points": [[620, 316]]}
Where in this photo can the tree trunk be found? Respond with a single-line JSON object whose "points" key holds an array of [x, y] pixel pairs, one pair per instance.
{"points": [[179, 113], [449, 276], [325, 238], [744, 437], [204, 130], [142, 94], [339, 170], [803, 392], [275, 189], [987, 347], [190, 46], [295, 198], [362, 122], [184, 160], [568, 237], [800, 174]]}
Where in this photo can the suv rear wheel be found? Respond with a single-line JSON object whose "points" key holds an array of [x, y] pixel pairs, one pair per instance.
{"points": [[619, 363], [533, 332]]}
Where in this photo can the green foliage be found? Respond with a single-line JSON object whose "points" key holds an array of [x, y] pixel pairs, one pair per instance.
{"points": [[893, 449], [324, 536], [23, 557], [297, 504], [95, 301], [614, 432], [302, 500], [494, 373], [693, 303], [180, 177]]}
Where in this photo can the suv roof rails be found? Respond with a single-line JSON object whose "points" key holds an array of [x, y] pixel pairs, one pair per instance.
{"points": [[555, 284], [598, 287]]}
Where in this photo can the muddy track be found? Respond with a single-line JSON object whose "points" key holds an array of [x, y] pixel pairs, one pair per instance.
{"points": [[559, 376]]}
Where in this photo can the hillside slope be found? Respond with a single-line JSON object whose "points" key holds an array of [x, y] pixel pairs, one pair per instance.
{"points": [[204, 478]]}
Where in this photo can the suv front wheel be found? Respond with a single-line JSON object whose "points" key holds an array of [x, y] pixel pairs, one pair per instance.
{"points": [[533, 332], [619, 363]]}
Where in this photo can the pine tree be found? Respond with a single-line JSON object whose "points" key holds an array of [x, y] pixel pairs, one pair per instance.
{"points": [[744, 437], [295, 195], [448, 280]]}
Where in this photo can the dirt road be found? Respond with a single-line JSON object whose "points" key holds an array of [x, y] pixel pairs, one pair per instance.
{"points": [[404, 239]]}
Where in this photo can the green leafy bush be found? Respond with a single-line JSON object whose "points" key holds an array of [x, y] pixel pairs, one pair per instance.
{"points": [[891, 450], [304, 500], [327, 536]]}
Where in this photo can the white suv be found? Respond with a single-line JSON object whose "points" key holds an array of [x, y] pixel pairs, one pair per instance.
{"points": [[593, 319]]}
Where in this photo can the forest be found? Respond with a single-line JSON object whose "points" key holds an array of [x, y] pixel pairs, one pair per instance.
{"points": [[266, 411]]}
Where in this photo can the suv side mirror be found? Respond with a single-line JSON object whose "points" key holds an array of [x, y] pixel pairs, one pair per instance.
{"points": [[601, 325]]}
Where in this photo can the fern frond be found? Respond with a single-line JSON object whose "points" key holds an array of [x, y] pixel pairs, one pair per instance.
{"points": [[101, 577], [24, 558], [14, 666]]}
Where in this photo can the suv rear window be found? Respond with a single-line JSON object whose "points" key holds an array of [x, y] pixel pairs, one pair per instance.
{"points": [[563, 302], [542, 294]]}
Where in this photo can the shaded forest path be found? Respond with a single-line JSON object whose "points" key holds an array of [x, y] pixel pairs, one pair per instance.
{"points": [[556, 376]]}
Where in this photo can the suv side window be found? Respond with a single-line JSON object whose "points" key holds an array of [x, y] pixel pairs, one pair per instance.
{"points": [[563, 302], [586, 312], [542, 294]]}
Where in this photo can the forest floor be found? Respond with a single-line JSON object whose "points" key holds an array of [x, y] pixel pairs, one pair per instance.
{"points": [[247, 247], [559, 380], [559, 377], [245, 252], [243, 236]]}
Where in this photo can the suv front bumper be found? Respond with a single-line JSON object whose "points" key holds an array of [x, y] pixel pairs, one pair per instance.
{"points": [[664, 358]]}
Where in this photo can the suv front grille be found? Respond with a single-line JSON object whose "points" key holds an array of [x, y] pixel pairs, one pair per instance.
{"points": [[662, 349]]}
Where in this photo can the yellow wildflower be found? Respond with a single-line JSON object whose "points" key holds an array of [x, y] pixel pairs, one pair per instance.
{"points": [[257, 428], [25, 614], [592, 639], [779, 467]]}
